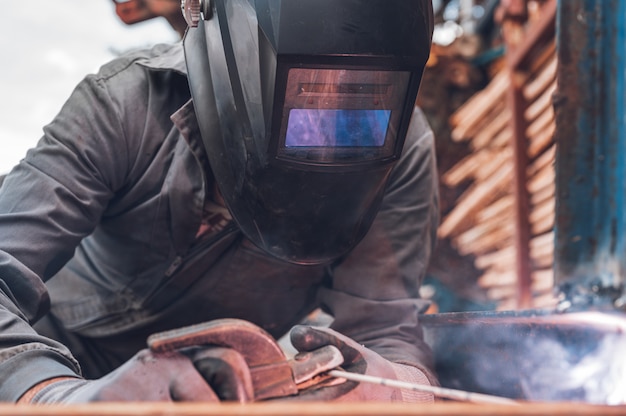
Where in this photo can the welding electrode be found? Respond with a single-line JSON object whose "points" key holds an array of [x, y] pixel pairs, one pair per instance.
{"points": [[437, 391]]}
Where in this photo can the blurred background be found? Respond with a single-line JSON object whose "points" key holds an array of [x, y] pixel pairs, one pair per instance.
{"points": [[47, 47], [494, 141]]}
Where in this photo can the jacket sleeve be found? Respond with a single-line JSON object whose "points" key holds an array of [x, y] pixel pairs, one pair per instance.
{"points": [[51, 200], [374, 297]]}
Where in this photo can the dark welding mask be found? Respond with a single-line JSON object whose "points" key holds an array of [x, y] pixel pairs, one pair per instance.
{"points": [[303, 107]]}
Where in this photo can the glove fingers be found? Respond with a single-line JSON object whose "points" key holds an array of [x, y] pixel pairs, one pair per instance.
{"points": [[306, 338], [226, 371]]}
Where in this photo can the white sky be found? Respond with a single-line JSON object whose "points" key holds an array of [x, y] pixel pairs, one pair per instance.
{"points": [[46, 48]]}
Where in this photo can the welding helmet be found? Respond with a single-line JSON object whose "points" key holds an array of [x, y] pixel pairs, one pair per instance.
{"points": [[303, 107]]}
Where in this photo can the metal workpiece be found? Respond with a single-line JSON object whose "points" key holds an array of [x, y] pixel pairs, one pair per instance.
{"points": [[532, 355], [590, 224]]}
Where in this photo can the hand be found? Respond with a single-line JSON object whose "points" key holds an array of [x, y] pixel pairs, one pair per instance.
{"points": [[357, 359], [193, 374]]}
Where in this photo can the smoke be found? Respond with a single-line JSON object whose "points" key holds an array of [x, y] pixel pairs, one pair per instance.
{"points": [[535, 356], [563, 374]]}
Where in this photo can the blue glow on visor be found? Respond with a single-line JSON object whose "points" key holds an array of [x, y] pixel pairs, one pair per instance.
{"points": [[337, 128]]}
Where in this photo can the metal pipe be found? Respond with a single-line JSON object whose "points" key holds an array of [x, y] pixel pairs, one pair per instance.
{"points": [[590, 227]]}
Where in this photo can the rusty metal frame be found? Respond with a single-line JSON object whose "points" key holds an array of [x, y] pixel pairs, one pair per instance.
{"points": [[518, 58]]}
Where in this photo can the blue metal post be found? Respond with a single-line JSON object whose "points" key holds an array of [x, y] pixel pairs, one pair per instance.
{"points": [[590, 240]]}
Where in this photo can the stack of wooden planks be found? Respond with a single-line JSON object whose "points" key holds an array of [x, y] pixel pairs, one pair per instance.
{"points": [[482, 223]]}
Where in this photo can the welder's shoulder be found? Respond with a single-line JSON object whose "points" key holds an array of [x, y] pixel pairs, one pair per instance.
{"points": [[161, 57], [420, 138], [419, 126], [134, 73]]}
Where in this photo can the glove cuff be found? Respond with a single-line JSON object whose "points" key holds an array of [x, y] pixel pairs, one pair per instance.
{"points": [[28, 396], [413, 375], [56, 390]]}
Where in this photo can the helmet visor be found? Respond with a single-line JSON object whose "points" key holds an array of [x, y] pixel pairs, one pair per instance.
{"points": [[342, 116]]}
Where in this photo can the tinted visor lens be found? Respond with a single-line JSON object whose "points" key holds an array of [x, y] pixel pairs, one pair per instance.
{"points": [[341, 115], [337, 128]]}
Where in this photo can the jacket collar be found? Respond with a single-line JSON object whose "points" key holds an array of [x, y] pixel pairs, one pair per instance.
{"points": [[171, 57]]}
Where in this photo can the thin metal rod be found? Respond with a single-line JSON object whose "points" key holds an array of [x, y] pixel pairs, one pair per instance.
{"points": [[437, 391]]}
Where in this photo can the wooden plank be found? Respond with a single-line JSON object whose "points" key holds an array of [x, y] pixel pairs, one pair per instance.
{"points": [[501, 207], [494, 126], [543, 280], [503, 138], [542, 250], [543, 225], [543, 57], [543, 178], [479, 105], [480, 230], [543, 241], [540, 123], [537, 85], [541, 140], [502, 292], [466, 168], [498, 238], [496, 160], [542, 260], [541, 104], [545, 300], [493, 278], [543, 160], [501, 258], [540, 195], [467, 131], [477, 196], [543, 210]]}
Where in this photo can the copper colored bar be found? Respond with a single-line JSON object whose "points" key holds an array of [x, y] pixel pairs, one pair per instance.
{"points": [[308, 409]]}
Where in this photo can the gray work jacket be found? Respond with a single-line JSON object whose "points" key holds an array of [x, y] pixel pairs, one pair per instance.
{"points": [[105, 211]]}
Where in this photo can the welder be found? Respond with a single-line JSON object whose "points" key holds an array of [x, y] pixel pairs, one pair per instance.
{"points": [[271, 164]]}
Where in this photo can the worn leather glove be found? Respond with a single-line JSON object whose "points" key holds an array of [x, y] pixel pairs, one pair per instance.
{"points": [[195, 374], [358, 359]]}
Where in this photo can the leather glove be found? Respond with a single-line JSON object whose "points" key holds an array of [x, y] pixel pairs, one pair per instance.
{"points": [[192, 374], [358, 359]]}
